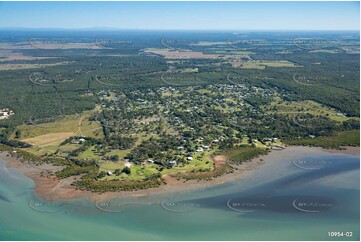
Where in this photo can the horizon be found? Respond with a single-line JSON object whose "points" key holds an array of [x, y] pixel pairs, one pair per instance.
{"points": [[182, 16], [178, 30]]}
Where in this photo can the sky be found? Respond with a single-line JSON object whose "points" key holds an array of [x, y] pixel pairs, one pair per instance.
{"points": [[183, 15]]}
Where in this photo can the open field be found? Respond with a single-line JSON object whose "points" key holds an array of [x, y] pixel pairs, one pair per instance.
{"points": [[263, 64], [71, 123], [307, 106], [11, 56], [201, 162], [232, 52], [7, 67], [48, 139], [170, 54]]}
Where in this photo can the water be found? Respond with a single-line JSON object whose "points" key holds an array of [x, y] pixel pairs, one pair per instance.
{"points": [[287, 199]]}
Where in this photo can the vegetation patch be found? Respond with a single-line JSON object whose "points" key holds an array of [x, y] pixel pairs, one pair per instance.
{"points": [[243, 154], [116, 185], [205, 175], [339, 139]]}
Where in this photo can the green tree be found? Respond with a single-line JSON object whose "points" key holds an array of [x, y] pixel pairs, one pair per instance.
{"points": [[17, 134], [117, 172], [101, 174], [126, 170]]}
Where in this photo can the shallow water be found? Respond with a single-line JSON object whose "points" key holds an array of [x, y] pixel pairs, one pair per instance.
{"points": [[290, 198]]}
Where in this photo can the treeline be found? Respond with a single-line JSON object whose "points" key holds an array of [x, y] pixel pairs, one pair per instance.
{"points": [[26, 156], [243, 154], [116, 185], [74, 170], [14, 143], [339, 139], [205, 175]]}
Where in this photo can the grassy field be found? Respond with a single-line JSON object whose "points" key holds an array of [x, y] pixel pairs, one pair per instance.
{"points": [[201, 162], [40, 151], [75, 124], [307, 106], [232, 52], [48, 139], [189, 70], [261, 65], [168, 54], [90, 154], [7, 67]]}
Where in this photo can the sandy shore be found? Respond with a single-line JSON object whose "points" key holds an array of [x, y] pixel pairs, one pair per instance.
{"points": [[349, 150], [52, 188]]}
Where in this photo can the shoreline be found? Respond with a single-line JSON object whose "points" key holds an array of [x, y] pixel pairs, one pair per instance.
{"points": [[347, 150], [54, 189]]}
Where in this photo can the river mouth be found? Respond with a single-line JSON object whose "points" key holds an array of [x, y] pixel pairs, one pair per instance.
{"points": [[280, 198]]}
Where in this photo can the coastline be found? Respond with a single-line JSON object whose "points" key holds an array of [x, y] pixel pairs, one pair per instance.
{"points": [[54, 189], [348, 150]]}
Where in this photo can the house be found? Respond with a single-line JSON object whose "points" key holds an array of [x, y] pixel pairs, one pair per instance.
{"points": [[200, 139], [81, 140], [200, 149], [109, 173], [128, 164], [173, 162], [206, 147], [189, 158], [6, 113], [312, 136], [151, 161]]}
